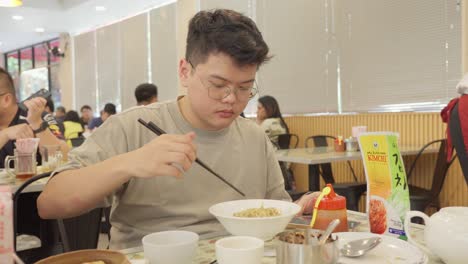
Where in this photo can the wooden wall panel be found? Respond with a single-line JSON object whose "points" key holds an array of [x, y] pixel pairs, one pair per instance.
{"points": [[414, 128]]}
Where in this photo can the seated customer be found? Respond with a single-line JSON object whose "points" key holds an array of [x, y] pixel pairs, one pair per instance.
{"points": [[146, 93], [60, 114], [270, 119], [109, 110], [16, 124], [86, 115], [73, 127], [124, 162]]}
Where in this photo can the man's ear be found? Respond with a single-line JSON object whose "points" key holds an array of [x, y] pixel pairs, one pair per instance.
{"points": [[184, 72]]}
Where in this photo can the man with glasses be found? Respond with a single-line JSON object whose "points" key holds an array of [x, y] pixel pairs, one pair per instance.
{"points": [[125, 162], [16, 124]]}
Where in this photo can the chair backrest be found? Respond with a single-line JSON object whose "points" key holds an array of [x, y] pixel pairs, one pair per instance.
{"points": [[16, 196], [326, 168], [319, 140], [81, 232], [286, 141], [456, 133], [441, 165]]}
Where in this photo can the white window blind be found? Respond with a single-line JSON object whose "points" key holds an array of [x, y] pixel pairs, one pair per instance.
{"points": [[246, 7], [108, 65], [398, 55], [85, 70], [164, 51], [302, 74], [134, 57]]}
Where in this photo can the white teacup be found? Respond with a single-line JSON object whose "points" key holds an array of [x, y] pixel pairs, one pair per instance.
{"points": [[239, 249], [170, 247]]}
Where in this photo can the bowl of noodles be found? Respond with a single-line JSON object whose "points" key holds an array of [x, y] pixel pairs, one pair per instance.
{"points": [[259, 218]]}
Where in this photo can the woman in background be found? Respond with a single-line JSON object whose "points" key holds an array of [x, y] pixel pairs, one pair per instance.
{"points": [[73, 126], [270, 119]]}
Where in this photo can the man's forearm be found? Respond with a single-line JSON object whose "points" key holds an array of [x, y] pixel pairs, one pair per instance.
{"points": [[73, 192], [3, 139]]}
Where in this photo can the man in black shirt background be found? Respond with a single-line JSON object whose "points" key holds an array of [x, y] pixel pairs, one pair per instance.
{"points": [[16, 124]]}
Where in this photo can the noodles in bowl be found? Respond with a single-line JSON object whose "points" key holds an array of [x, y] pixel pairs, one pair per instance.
{"points": [[258, 212], [259, 218]]}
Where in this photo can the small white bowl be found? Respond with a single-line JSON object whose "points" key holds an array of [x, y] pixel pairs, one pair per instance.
{"points": [[239, 249], [170, 247], [261, 227]]}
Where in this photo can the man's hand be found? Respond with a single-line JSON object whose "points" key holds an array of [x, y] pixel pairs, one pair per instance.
{"points": [[161, 156], [306, 203], [35, 107], [18, 131]]}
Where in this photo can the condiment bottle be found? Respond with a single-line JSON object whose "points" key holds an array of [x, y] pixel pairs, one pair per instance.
{"points": [[332, 206]]}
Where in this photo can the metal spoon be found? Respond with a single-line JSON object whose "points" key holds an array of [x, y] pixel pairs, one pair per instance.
{"points": [[331, 226], [357, 248]]}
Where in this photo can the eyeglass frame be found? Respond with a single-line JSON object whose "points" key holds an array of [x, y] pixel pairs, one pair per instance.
{"points": [[229, 90]]}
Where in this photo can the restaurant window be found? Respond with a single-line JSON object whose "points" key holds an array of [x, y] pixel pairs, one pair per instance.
{"points": [[40, 56], [26, 59], [34, 66]]}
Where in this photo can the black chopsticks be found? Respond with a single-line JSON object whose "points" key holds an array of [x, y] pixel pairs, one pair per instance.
{"points": [[158, 131]]}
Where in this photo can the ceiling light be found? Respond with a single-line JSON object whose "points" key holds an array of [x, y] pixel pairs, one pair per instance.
{"points": [[16, 17], [40, 30], [1, 43], [100, 8], [10, 3]]}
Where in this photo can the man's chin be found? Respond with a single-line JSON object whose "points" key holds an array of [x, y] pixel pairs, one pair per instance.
{"points": [[222, 123]]}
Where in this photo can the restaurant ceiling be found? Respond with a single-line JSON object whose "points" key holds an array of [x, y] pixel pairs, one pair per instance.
{"points": [[60, 16]]}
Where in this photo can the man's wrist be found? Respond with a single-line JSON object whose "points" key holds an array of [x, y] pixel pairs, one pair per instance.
{"points": [[120, 166], [35, 125], [39, 129]]}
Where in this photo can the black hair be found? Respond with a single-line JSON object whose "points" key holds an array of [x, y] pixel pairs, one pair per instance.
{"points": [[110, 109], [225, 31], [72, 116], [272, 109], [145, 91], [61, 109], [85, 107]]}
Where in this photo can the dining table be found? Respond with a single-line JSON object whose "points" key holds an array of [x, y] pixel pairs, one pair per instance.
{"points": [[206, 246], [14, 183], [319, 155]]}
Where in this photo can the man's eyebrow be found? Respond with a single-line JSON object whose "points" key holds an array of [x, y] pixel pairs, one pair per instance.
{"points": [[224, 79]]}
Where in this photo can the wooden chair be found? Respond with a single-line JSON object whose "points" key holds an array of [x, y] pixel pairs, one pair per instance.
{"points": [[421, 198]]}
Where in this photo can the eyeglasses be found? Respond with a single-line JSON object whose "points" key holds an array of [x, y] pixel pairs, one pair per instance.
{"points": [[221, 91]]}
